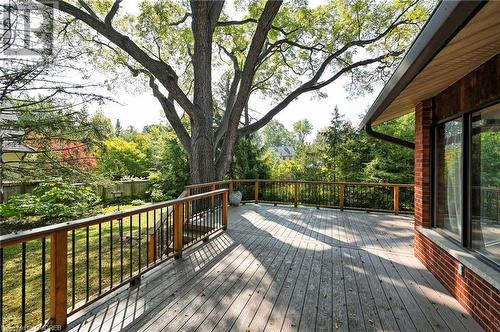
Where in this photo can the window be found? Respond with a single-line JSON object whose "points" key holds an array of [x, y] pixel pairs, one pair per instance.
{"points": [[485, 182], [467, 181], [449, 144]]}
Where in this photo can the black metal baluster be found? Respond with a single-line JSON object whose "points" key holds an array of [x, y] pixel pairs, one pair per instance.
{"points": [[139, 236], [43, 281], [87, 279], [120, 225], [73, 265], [111, 253], [147, 238], [23, 286], [100, 259], [161, 232], [1, 286], [130, 243]]}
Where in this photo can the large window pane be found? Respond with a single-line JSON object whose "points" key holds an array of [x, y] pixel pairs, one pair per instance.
{"points": [[485, 181], [448, 170]]}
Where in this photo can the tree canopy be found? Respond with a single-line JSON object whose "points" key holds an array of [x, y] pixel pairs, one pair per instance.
{"points": [[209, 59]]}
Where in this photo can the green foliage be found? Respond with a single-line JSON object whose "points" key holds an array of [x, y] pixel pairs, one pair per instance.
{"points": [[53, 200], [302, 128], [248, 161], [342, 152], [137, 202], [276, 134], [353, 156], [119, 158], [158, 196]]}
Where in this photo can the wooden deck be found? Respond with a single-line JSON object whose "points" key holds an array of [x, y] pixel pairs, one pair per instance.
{"points": [[287, 269]]}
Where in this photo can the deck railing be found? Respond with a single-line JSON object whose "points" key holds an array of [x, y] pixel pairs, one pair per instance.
{"points": [[49, 273], [384, 197]]}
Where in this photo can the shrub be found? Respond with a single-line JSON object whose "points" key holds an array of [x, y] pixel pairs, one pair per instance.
{"points": [[53, 200], [158, 196], [137, 202]]}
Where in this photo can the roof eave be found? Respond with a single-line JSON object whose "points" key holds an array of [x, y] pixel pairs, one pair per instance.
{"points": [[446, 21]]}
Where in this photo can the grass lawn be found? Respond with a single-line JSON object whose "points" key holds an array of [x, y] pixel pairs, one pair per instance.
{"points": [[12, 272]]}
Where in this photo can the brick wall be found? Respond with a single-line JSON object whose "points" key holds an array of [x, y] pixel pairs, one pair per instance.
{"points": [[479, 298], [423, 159]]}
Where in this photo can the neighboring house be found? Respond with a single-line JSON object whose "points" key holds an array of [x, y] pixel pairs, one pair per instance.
{"points": [[12, 148], [283, 152], [450, 79]]}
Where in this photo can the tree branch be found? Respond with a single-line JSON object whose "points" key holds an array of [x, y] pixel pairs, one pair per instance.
{"points": [[114, 9], [162, 71], [263, 26], [171, 114], [306, 87]]}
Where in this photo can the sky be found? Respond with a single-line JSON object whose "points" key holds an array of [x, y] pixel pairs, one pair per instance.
{"points": [[143, 109]]}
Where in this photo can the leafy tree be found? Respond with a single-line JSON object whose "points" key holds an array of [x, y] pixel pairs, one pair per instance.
{"points": [[391, 163], [248, 161], [276, 134], [119, 158], [276, 50], [353, 156], [302, 129]]}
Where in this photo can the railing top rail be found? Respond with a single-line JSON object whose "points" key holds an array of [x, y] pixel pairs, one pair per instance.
{"points": [[372, 184], [206, 184], [36, 233]]}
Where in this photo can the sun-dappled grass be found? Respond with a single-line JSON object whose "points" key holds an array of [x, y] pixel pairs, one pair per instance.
{"points": [[105, 252]]}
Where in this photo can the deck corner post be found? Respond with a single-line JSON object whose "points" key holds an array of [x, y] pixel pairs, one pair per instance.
{"points": [[178, 229], [342, 195], [152, 248], [224, 209], [256, 192], [295, 194], [396, 200], [59, 279]]}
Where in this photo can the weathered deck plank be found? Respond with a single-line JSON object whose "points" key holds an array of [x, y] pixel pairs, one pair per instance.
{"points": [[288, 269]]}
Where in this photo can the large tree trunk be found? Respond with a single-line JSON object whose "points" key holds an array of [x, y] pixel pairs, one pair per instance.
{"points": [[201, 158]]}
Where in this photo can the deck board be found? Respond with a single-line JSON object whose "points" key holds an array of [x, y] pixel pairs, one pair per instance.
{"points": [[288, 269]]}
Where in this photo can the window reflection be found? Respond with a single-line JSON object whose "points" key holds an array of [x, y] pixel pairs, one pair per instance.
{"points": [[449, 138], [485, 182]]}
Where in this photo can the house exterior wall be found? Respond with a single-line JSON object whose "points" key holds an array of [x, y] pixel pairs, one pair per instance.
{"points": [[480, 87]]}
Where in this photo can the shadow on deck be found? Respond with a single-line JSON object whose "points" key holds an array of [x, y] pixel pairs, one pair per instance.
{"points": [[284, 268]]}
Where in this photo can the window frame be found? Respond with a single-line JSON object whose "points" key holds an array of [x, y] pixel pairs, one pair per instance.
{"points": [[466, 237]]}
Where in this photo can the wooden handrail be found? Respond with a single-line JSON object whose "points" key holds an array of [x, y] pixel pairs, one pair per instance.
{"points": [[36, 233], [59, 256], [345, 191]]}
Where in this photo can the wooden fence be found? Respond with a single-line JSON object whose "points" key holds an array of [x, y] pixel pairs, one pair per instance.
{"points": [[129, 188]]}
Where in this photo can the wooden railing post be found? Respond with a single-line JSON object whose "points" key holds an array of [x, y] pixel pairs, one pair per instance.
{"points": [[152, 248], [341, 195], [231, 185], [59, 278], [178, 229], [396, 199], [256, 192], [295, 194], [225, 203]]}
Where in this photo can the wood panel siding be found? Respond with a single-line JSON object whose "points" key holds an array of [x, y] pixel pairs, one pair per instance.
{"points": [[478, 88], [474, 45]]}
